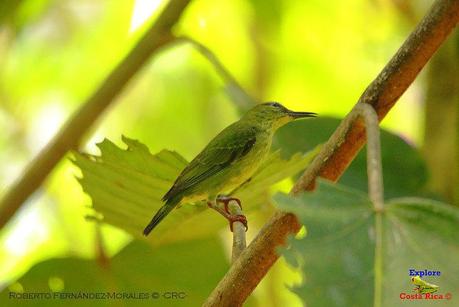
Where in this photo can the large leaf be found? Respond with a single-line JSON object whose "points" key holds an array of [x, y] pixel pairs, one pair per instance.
{"points": [[398, 157], [273, 170], [126, 187], [192, 268], [337, 256]]}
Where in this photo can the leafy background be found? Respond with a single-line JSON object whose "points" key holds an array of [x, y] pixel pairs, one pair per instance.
{"points": [[310, 55]]}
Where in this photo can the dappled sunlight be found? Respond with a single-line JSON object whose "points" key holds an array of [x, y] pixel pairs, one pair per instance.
{"points": [[45, 124], [143, 9], [29, 238], [29, 233]]}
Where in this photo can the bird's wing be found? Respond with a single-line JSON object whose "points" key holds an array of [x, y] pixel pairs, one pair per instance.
{"points": [[222, 151]]}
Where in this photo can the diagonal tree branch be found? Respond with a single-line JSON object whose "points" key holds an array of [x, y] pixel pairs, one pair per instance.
{"points": [[252, 265], [73, 131]]}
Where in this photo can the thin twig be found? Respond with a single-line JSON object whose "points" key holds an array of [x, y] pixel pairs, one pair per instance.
{"points": [[374, 165], [71, 134], [101, 255], [252, 265], [240, 96], [375, 187], [239, 240], [378, 261]]}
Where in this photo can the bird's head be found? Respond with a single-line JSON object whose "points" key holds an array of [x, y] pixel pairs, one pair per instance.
{"points": [[275, 115], [416, 280]]}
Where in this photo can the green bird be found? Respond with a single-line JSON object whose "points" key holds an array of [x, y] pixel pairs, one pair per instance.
{"points": [[228, 161], [423, 286]]}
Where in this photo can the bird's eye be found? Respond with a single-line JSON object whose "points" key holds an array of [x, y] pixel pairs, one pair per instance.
{"points": [[275, 104]]}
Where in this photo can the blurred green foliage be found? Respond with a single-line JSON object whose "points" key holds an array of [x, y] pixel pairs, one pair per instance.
{"points": [[130, 271], [310, 55]]}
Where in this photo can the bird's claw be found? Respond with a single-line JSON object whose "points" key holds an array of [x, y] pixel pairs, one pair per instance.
{"points": [[226, 213], [238, 218], [226, 200]]}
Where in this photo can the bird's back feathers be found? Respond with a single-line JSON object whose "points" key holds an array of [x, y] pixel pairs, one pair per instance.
{"points": [[226, 148]]}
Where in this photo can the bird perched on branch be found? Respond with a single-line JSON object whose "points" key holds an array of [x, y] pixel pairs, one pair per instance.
{"points": [[228, 161]]}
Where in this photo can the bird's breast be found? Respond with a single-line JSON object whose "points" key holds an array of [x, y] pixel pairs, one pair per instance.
{"points": [[243, 169]]}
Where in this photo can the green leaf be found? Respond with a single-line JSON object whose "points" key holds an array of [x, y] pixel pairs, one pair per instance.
{"points": [[126, 187], [398, 157], [192, 267], [273, 170], [337, 257]]}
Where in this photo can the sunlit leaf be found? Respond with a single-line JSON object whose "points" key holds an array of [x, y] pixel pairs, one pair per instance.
{"points": [[273, 170], [337, 256], [126, 187]]}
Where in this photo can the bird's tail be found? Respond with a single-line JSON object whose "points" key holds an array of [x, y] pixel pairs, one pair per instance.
{"points": [[160, 215]]}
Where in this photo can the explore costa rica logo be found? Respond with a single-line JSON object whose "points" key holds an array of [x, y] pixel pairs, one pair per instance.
{"points": [[423, 289]]}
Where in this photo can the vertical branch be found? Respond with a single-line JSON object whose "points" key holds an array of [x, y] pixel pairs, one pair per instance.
{"points": [[378, 261], [374, 165], [71, 134], [375, 188], [239, 241]]}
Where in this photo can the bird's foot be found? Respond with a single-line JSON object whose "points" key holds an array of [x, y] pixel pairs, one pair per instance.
{"points": [[238, 218], [230, 217], [226, 200]]}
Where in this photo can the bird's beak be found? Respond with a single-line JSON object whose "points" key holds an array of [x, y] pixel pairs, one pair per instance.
{"points": [[296, 115]]}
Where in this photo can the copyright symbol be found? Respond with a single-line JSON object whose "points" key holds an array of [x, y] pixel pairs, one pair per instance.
{"points": [[155, 295]]}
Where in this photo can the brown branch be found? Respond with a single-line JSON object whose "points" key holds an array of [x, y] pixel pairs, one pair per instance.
{"points": [[72, 133], [245, 274]]}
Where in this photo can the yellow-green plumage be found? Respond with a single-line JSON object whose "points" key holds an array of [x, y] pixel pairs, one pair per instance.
{"points": [[229, 159]]}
